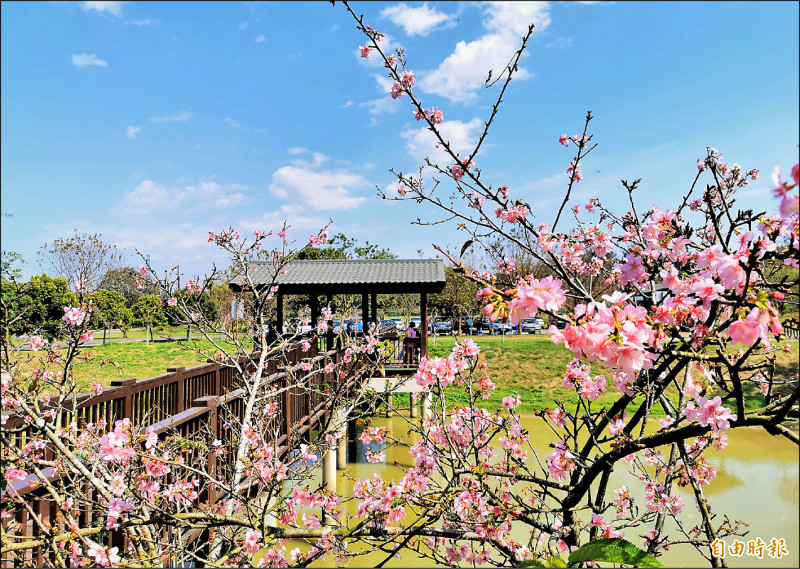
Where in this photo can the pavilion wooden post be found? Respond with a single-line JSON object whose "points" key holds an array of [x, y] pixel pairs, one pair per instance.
{"points": [[279, 317], [423, 332], [365, 311], [314, 304], [423, 341], [374, 308], [389, 402], [329, 334]]}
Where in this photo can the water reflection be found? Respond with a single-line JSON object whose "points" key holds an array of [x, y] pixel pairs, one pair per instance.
{"points": [[757, 481]]}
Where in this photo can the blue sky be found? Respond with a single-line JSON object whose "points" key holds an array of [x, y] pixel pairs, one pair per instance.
{"points": [[154, 123]]}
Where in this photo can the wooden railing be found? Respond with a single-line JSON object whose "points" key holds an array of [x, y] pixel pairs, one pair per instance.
{"points": [[185, 401]]}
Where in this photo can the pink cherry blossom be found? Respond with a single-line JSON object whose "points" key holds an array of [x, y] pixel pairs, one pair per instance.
{"points": [[73, 316], [616, 427], [13, 474], [710, 413], [251, 540], [748, 330], [36, 342]]}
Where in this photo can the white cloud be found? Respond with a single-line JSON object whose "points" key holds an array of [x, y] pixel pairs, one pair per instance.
{"points": [[297, 150], [318, 159], [85, 60], [560, 43], [180, 116], [349, 103], [261, 39], [132, 131], [421, 142], [417, 21], [146, 197], [464, 71], [232, 122], [151, 198], [102, 7], [319, 189], [146, 22], [212, 193], [296, 214], [383, 106]]}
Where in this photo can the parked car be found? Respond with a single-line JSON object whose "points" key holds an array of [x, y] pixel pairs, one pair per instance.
{"points": [[353, 326], [441, 325], [530, 325], [496, 327], [398, 324], [560, 324], [337, 326], [469, 325], [386, 326], [297, 326], [417, 323]]}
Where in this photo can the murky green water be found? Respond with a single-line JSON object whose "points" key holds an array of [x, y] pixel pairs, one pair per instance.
{"points": [[757, 481]]}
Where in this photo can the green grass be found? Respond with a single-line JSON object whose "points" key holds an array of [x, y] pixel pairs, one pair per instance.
{"points": [[104, 363], [531, 366]]}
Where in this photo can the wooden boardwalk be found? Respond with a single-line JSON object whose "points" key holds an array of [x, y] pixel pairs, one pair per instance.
{"points": [[188, 401]]}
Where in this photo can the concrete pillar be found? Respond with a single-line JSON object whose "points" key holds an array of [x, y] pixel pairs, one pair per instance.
{"points": [[341, 452], [426, 406], [329, 474], [271, 519], [414, 405], [340, 423], [389, 404], [329, 477]]}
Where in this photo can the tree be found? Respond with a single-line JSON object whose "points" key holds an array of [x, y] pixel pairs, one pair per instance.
{"points": [[342, 247], [685, 298], [109, 310], [148, 312], [128, 282], [458, 297], [36, 306], [83, 259]]}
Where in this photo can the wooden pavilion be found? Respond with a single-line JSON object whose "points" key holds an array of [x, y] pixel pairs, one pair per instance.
{"points": [[367, 277]]}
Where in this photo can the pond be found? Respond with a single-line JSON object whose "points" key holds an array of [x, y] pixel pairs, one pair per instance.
{"points": [[757, 482]]}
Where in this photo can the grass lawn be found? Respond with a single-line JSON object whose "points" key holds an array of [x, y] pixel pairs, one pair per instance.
{"points": [[104, 363], [530, 365]]}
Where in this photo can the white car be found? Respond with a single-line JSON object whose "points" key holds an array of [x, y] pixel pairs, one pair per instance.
{"points": [[398, 324]]}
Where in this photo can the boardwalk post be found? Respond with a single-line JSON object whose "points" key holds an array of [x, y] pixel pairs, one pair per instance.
{"points": [[127, 401], [178, 405], [340, 422]]}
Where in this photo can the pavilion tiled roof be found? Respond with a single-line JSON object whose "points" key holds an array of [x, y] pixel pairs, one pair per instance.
{"points": [[351, 276]]}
